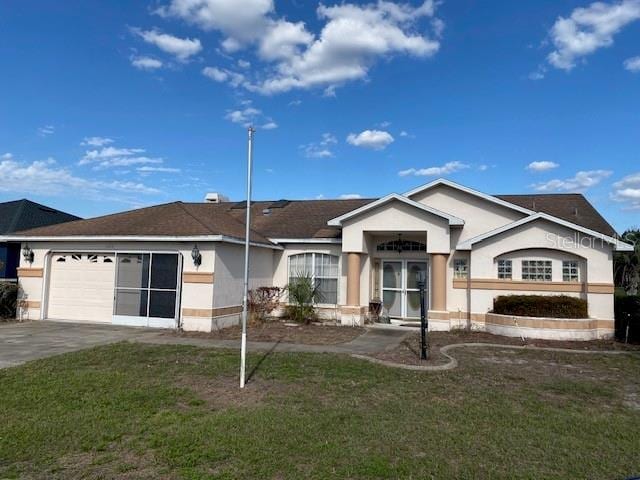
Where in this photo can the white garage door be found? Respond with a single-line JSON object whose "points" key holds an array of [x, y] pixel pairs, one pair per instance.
{"points": [[81, 287]]}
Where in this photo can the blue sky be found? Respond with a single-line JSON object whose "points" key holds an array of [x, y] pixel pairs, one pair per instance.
{"points": [[108, 106]]}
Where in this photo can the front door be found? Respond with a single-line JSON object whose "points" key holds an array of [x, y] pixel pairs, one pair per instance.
{"points": [[400, 293]]}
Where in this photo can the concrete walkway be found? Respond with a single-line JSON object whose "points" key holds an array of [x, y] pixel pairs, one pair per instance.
{"points": [[22, 342]]}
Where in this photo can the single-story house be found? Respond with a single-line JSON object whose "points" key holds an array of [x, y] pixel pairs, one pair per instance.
{"points": [[21, 215], [181, 264]]}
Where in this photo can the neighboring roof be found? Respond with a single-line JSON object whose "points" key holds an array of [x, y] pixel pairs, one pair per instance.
{"points": [[572, 207], [173, 220], [470, 191], [23, 214], [395, 197], [619, 245]]}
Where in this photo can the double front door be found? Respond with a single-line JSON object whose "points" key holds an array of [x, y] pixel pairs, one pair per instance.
{"points": [[400, 293]]}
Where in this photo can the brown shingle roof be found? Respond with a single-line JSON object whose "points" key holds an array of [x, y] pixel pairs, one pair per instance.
{"points": [[282, 218], [572, 207]]}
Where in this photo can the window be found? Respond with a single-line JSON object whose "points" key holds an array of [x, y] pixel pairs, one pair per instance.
{"points": [[322, 268], [146, 285], [402, 246], [460, 268], [536, 270], [504, 269], [570, 271]]}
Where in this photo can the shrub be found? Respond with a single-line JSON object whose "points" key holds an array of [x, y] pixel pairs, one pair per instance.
{"points": [[8, 300], [303, 293], [262, 302], [627, 311], [553, 306]]}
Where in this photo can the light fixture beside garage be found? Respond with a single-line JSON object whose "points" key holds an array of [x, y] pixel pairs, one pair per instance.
{"points": [[27, 254], [196, 255]]}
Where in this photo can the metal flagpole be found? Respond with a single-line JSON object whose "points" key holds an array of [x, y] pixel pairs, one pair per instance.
{"points": [[245, 293]]}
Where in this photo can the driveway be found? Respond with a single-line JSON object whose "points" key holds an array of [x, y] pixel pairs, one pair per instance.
{"points": [[21, 342]]}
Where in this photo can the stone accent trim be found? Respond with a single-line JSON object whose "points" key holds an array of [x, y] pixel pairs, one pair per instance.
{"points": [[30, 304], [350, 310], [198, 277], [549, 323], [521, 285], [211, 312], [438, 315], [30, 272]]}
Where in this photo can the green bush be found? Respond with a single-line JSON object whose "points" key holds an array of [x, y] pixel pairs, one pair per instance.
{"points": [[303, 294], [627, 310], [553, 306], [8, 300]]}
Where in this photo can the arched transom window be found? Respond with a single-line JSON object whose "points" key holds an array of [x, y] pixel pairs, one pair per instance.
{"points": [[322, 268], [401, 246]]}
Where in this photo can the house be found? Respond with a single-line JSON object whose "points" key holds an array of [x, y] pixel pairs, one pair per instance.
{"points": [[21, 215], [181, 264]]}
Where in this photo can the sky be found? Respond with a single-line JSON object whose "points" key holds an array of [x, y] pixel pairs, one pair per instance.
{"points": [[109, 106]]}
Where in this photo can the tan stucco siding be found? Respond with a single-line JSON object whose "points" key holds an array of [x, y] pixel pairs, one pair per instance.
{"points": [[479, 215]]}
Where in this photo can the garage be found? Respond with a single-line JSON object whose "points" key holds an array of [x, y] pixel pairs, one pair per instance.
{"points": [[134, 289], [81, 287]]}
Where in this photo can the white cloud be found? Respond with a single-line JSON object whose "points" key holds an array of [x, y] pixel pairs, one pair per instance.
{"points": [[96, 141], [579, 182], [588, 29], [350, 196], [627, 191], [447, 168], [148, 169], [146, 63], [244, 64], [181, 48], [245, 117], [632, 64], [234, 79], [538, 74], [269, 126], [108, 156], [351, 39], [46, 178], [373, 139], [321, 149], [6, 156], [542, 166], [240, 24], [46, 130]]}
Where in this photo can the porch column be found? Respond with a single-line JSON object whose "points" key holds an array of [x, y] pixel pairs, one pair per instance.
{"points": [[352, 313], [439, 281], [353, 279]]}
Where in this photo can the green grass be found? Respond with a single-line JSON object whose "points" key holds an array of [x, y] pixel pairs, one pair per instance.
{"points": [[141, 411]]}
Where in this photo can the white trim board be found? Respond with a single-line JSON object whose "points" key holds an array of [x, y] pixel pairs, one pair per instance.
{"points": [[619, 245], [470, 191], [453, 220]]}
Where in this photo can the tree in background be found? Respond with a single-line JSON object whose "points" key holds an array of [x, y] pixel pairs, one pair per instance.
{"points": [[627, 264]]}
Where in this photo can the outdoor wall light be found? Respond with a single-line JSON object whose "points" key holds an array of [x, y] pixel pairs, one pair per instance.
{"points": [[27, 254], [196, 255]]}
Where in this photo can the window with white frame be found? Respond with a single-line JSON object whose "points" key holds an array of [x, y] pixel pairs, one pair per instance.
{"points": [[505, 269], [323, 270], [460, 268], [537, 270], [570, 271]]}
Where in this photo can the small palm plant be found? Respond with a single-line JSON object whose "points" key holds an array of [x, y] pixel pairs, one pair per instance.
{"points": [[303, 294]]}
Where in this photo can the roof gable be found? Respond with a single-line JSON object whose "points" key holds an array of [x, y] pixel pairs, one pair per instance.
{"points": [[23, 214], [453, 220], [618, 245]]}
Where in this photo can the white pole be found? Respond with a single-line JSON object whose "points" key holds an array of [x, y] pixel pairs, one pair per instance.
{"points": [[245, 293]]}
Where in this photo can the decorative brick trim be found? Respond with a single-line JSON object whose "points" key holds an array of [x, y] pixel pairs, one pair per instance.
{"points": [[211, 312], [351, 310], [522, 285], [30, 272], [549, 323], [198, 277], [438, 315], [29, 304]]}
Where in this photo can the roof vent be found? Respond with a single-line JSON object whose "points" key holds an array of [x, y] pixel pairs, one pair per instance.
{"points": [[215, 197], [575, 211]]}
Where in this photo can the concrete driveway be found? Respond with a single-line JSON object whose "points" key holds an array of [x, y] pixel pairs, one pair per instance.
{"points": [[21, 342]]}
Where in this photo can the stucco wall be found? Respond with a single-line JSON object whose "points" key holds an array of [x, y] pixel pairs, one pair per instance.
{"points": [[396, 217], [479, 215], [544, 240]]}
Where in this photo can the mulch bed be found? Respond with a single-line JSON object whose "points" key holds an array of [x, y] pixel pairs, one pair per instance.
{"points": [[408, 351], [277, 331]]}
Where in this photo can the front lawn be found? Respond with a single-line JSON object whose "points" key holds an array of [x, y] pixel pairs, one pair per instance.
{"points": [[143, 411]]}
